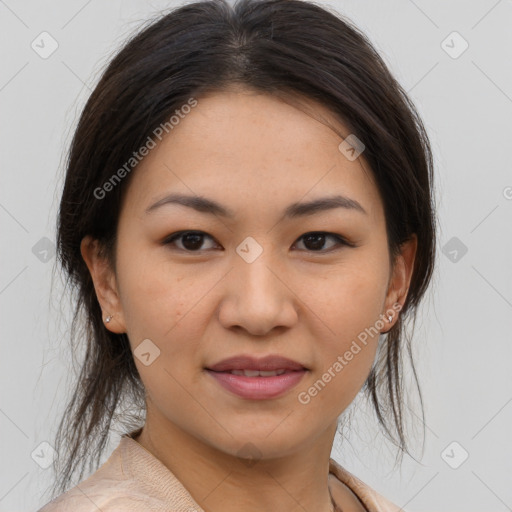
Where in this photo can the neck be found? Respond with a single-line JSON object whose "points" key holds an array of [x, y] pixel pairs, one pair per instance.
{"points": [[219, 481]]}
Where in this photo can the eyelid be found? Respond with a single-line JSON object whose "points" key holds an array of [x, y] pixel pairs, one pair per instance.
{"points": [[342, 241], [178, 234]]}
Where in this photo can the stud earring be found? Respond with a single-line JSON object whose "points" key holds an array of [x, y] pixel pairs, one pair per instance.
{"points": [[390, 319], [109, 317]]}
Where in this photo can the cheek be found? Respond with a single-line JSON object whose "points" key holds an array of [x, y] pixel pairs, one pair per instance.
{"points": [[351, 306], [352, 299], [162, 302], [153, 297]]}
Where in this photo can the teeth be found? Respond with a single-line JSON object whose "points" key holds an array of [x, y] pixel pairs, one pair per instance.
{"points": [[271, 373], [257, 373], [251, 373]]}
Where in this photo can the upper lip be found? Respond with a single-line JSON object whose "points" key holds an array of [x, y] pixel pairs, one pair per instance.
{"points": [[245, 362]]}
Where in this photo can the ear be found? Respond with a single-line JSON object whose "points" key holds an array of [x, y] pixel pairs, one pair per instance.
{"points": [[105, 284], [401, 277]]}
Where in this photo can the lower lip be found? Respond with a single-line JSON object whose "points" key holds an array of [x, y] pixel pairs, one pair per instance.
{"points": [[258, 388]]}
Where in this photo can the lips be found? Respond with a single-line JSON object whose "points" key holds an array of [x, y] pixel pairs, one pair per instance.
{"points": [[250, 364], [257, 379], [259, 373]]}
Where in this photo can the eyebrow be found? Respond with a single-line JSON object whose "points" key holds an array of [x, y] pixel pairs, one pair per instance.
{"points": [[205, 205]]}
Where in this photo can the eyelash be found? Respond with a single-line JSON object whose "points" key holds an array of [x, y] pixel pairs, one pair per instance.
{"points": [[340, 240]]}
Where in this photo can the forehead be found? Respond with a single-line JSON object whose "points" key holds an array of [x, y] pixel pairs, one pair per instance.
{"points": [[243, 145]]}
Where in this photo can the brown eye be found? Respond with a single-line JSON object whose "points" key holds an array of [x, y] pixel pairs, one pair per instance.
{"points": [[315, 241], [191, 241]]}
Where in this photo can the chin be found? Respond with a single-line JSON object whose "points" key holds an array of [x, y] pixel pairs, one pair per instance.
{"points": [[261, 443]]}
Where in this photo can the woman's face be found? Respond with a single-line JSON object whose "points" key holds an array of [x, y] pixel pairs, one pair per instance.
{"points": [[254, 283]]}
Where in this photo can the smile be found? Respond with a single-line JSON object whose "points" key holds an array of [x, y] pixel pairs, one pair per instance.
{"points": [[257, 384]]}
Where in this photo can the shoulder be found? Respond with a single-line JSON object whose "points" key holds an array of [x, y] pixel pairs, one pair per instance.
{"points": [[101, 491], [130, 479], [110, 489], [94, 503], [371, 499], [105, 496]]}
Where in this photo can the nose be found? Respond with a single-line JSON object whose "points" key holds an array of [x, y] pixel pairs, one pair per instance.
{"points": [[257, 298]]}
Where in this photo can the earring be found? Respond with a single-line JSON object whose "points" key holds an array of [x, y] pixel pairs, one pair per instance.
{"points": [[390, 319], [109, 317]]}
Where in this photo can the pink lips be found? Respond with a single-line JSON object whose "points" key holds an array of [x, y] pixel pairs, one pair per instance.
{"points": [[257, 387]]}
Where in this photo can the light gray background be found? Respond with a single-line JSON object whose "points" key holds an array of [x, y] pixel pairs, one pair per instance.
{"points": [[463, 341]]}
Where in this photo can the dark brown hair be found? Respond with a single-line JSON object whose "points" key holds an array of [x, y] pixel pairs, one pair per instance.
{"points": [[286, 48]]}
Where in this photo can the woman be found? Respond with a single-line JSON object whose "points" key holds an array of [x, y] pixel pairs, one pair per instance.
{"points": [[247, 219]]}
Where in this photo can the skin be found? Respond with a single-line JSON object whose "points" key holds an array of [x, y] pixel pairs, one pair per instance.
{"points": [[255, 155]]}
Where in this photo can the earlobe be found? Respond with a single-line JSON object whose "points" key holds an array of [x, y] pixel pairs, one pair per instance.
{"points": [[105, 285]]}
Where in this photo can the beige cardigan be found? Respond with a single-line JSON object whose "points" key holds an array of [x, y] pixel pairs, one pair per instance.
{"points": [[133, 480]]}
